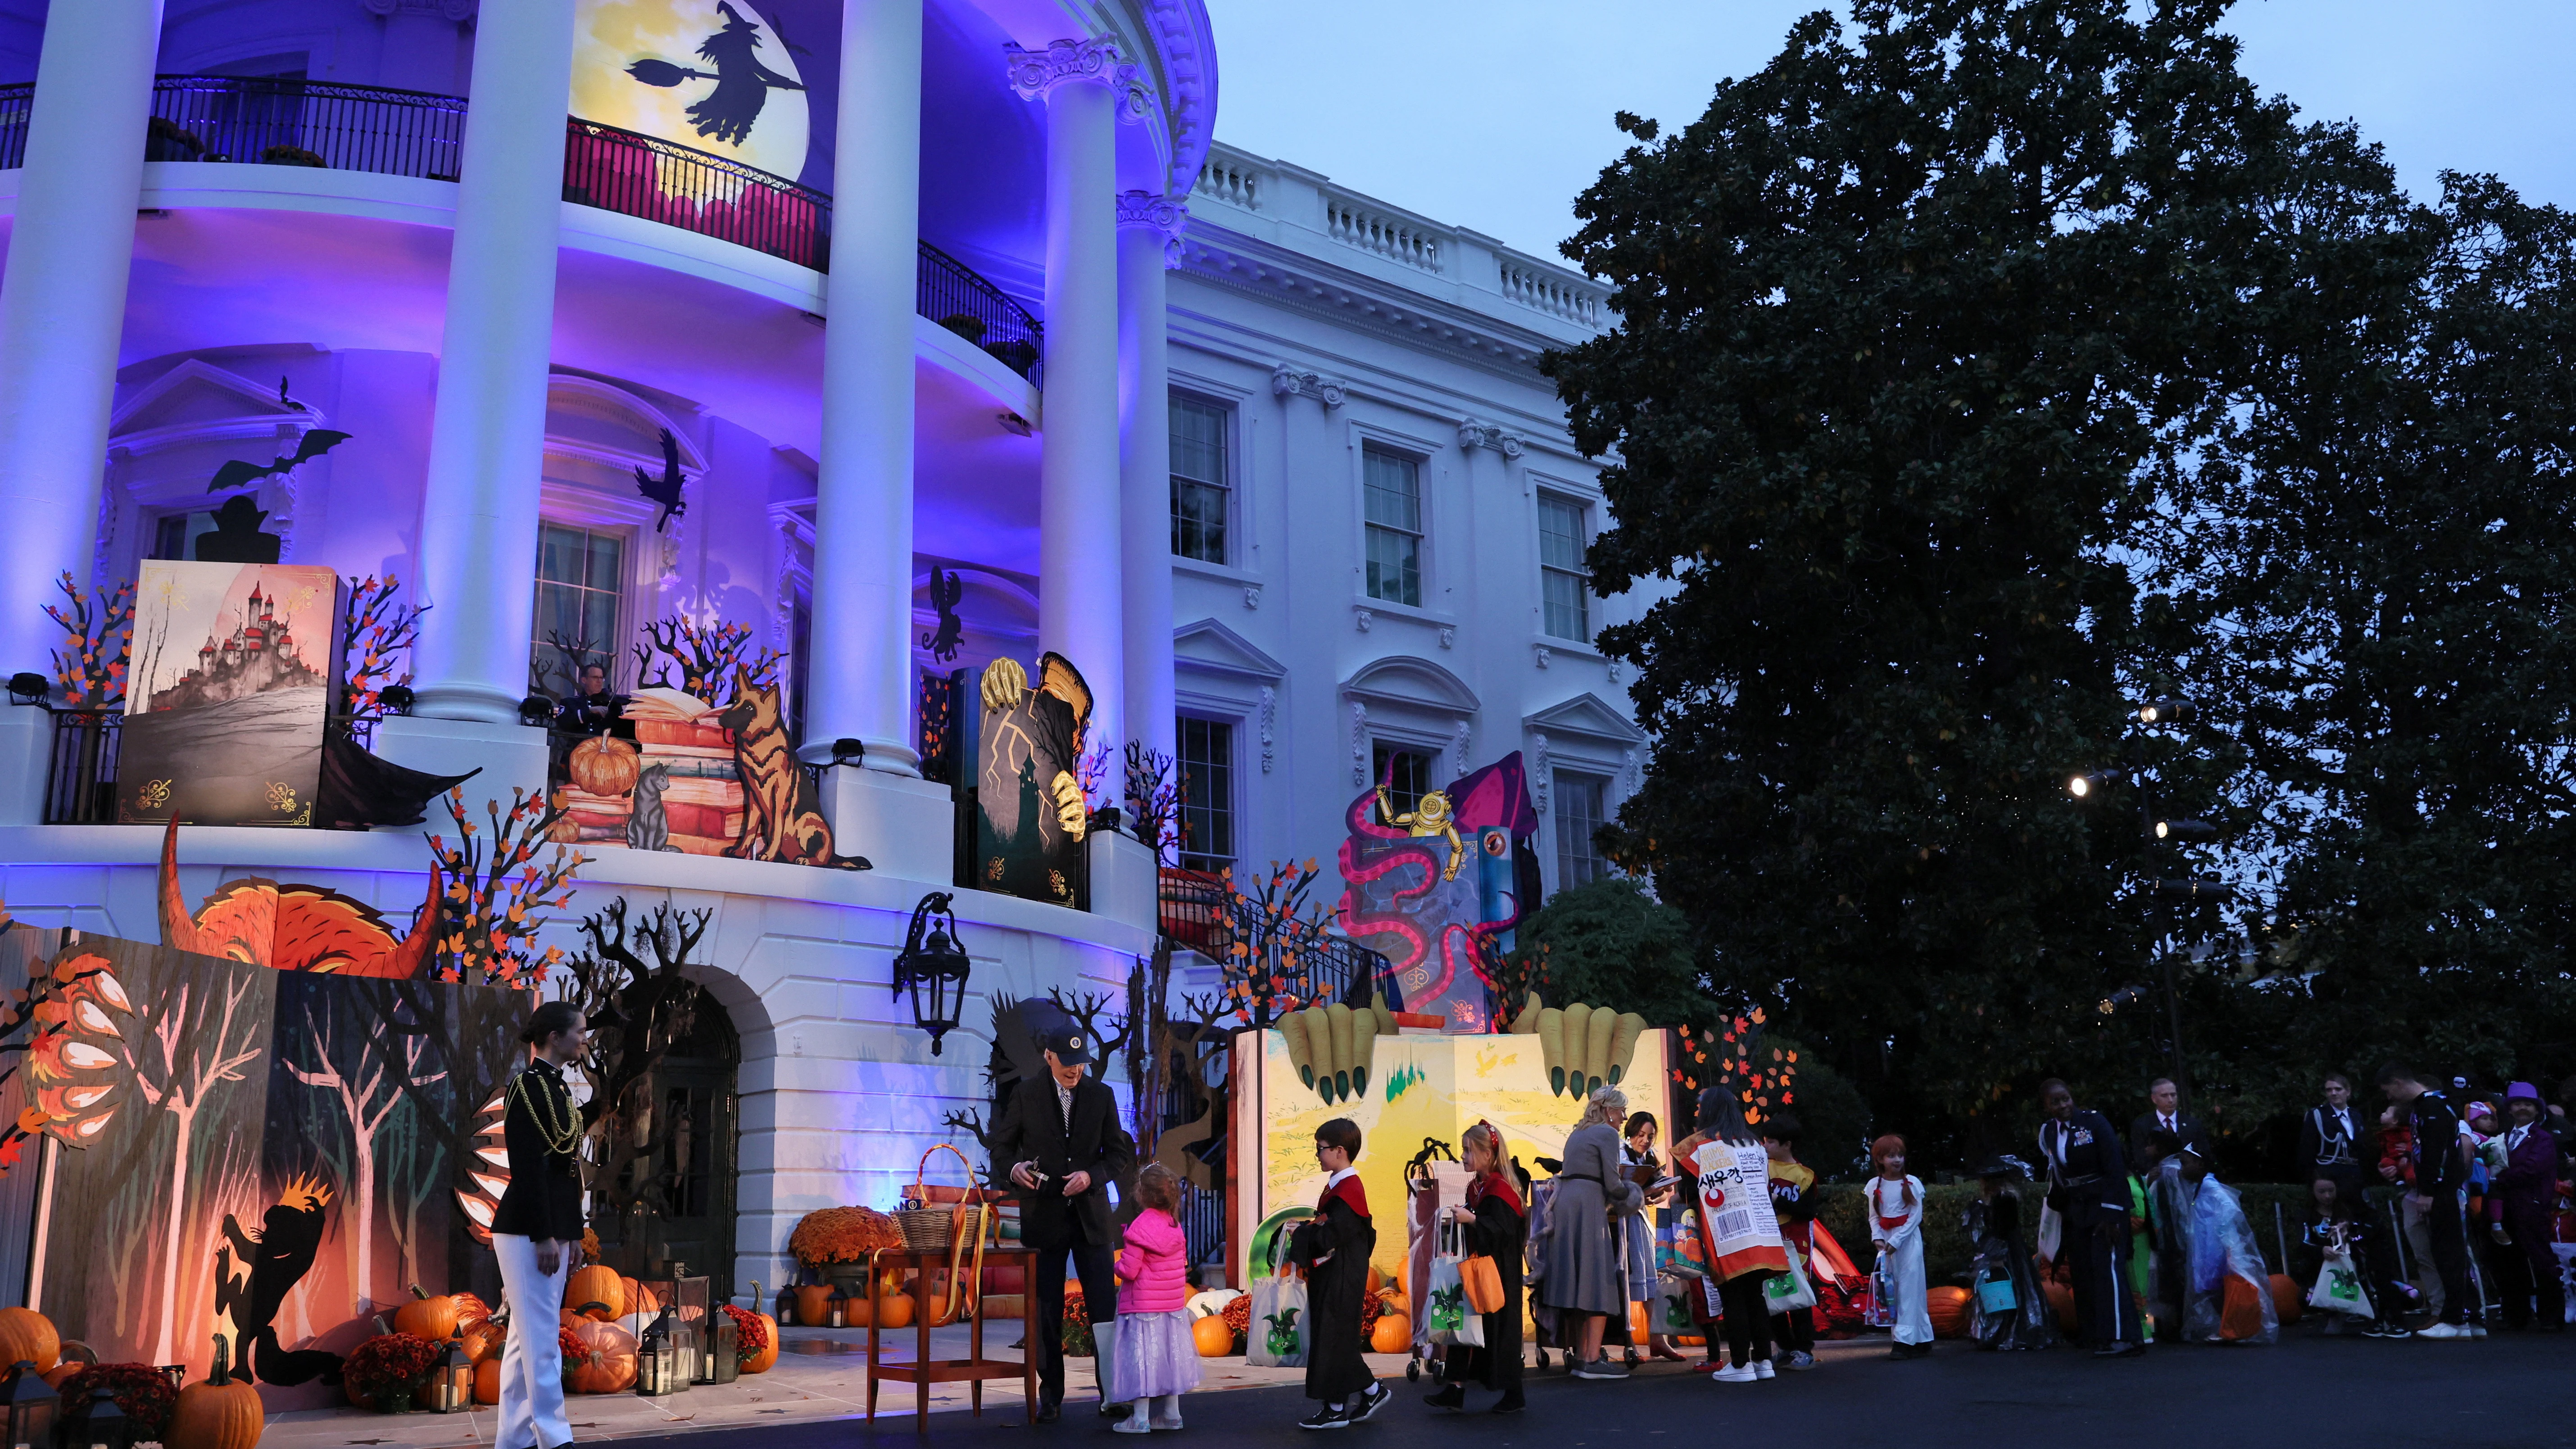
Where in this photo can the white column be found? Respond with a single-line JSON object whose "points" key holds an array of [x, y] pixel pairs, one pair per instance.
{"points": [[861, 675], [1079, 543], [478, 532], [62, 304], [1149, 240]]}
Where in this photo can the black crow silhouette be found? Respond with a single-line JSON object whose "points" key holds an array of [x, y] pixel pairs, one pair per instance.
{"points": [[313, 444], [945, 590], [664, 490], [743, 84]]}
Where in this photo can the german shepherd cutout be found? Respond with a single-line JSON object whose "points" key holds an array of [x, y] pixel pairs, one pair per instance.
{"points": [[781, 819]]}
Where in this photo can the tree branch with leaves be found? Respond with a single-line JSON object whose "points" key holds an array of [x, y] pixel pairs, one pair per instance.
{"points": [[488, 917], [91, 665]]}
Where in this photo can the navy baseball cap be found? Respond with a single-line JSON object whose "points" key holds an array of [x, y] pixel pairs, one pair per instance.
{"points": [[1070, 1046]]}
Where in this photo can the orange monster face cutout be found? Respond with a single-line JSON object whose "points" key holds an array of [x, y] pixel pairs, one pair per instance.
{"points": [[291, 927]]}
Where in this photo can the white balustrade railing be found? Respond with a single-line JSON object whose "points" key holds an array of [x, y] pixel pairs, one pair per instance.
{"points": [[1553, 295], [1353, 223], [1229, 181]]}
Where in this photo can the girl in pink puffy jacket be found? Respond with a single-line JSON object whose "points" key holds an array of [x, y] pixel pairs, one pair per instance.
{"points": [[1154, 1361]]}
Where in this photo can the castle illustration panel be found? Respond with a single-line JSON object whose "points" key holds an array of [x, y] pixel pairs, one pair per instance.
{"points": [[236, 667]]}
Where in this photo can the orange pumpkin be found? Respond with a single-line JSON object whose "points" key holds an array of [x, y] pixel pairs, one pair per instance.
{"points": [[1949, 1307], [29, 1336], [895, 1310], [61, 1374], [604, 766], [813, 1304], [599, 1285], [1215, 1340], [607, 1365], [2061, 1298], [470, 1309], [426, 1317], [640, 1298], [2287, 1301], [221, 1413], [487, 1381], [1393, 1334], [482, 1341], [761, 1362], [580, 1313]]}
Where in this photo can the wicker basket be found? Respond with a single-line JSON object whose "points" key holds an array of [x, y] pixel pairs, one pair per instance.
{"points": [[932, 1229]]}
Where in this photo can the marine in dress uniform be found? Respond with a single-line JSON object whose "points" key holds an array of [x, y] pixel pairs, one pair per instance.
{"points": [[2088, 1184]]}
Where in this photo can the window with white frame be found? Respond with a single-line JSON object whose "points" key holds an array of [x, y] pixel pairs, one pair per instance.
{"points": [[1201, 494], [1406, 774], [1565, 586], [581, 574], [1578, 803], [1207, 793], [1393, 484]]}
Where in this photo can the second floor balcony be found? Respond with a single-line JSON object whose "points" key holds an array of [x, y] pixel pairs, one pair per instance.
{"points": [[381, 130]]}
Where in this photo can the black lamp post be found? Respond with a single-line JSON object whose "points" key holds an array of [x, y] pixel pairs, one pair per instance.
{"points": [[33, 1405], [932, 967]]}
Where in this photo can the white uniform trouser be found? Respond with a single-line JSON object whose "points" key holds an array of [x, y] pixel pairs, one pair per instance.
{"points": [[532, 1396]]}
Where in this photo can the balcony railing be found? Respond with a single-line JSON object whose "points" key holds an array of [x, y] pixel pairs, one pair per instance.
{"points": [[414, 133], [306, 123], [80, 784], [15, 102], [1196, 912], [638, 175]]}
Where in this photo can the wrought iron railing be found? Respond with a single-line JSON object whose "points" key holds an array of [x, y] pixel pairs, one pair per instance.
{"points": [[638, 175], [306, 123], [1196, 911], [15, 102], [415, 133], [948, 292], [80, 783]]}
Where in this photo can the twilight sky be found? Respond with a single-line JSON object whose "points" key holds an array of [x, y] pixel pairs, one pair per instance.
{"points": [[1492, 114]]}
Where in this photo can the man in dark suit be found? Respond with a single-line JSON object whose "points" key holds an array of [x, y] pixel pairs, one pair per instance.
{"points": [[1061, 1145], [2162, 1130], [2088, 1185]]}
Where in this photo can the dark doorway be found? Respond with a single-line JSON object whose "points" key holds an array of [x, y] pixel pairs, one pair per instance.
{"points": [[689, 1171]]}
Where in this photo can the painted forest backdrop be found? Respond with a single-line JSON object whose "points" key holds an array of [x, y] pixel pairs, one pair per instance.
{"points": [[272, 1154]]}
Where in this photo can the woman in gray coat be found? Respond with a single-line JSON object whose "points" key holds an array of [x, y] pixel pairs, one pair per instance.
{"points": [[1586, 1273]]}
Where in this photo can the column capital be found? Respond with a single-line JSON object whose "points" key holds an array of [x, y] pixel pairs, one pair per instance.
{"points": [[1475, 434], [1036, 74], [1286, 381], [1153, 211]]}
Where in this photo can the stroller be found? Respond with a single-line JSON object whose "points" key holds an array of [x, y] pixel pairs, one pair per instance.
{"points": [[1435, 1183]]}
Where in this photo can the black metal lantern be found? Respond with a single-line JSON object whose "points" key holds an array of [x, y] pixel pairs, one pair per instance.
{"points": [[102, 1424], [658, 1369], [933, 967], [721, 1360], [33, 1405], [451, 1380], [836, 1309]]}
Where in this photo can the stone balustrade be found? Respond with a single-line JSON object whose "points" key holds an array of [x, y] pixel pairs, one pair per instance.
{"points": [[1310, 214]]}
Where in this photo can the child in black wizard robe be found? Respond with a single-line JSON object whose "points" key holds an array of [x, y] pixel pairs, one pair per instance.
{"points": [[1501, 1232], [1334, 1247]]}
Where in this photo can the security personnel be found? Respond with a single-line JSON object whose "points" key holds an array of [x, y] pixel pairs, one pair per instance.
{"points": [[2088, 1184], [1060, 1144]]}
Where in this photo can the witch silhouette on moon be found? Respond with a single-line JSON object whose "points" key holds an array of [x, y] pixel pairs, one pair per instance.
{"points": [[743, 84]]}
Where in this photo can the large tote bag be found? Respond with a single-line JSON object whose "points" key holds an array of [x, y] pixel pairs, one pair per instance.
{"points": [[1279, 1335], [1447, 1317]]}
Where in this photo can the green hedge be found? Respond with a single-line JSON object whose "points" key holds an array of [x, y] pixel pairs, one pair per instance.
{"points": [[1947, 1252]]}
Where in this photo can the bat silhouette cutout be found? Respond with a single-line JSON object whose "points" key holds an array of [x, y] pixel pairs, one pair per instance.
{"points": [[312, 445], [664, 490]]}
